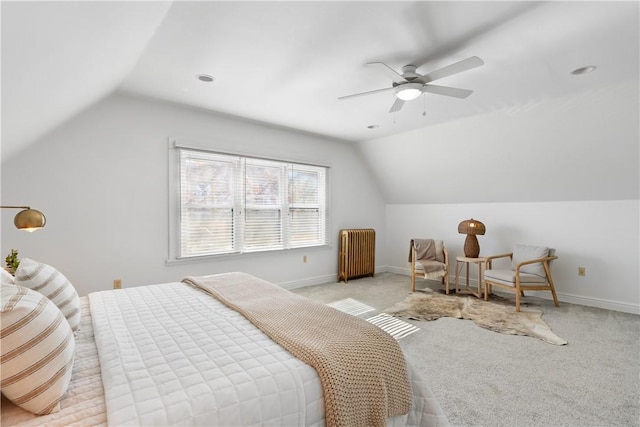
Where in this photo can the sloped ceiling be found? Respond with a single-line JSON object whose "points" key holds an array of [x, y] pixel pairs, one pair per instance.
{"points": [[287, 63], [58, 58]]}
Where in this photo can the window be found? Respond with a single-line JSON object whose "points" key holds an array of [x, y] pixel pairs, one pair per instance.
{"points": [[234, 204]]}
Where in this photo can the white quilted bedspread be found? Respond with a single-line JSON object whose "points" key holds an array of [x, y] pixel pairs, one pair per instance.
{"points": [[173, 355]]}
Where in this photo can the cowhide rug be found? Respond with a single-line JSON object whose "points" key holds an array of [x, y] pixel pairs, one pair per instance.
{"points": [[495, 316]]}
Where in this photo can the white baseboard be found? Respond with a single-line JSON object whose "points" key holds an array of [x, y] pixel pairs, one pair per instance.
{"points": [[318, 280], [592, 302], [397, 270], [563, 297], [321, 280]]}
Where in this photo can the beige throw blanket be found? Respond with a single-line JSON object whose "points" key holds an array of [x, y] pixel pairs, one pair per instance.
{"points": [[362, 369], [426, 257]]}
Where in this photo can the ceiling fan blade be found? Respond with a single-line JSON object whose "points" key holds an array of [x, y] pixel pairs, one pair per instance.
{"points": [[448, 91], [371, 92], [390, 72], [397, 105], [458, 67]]}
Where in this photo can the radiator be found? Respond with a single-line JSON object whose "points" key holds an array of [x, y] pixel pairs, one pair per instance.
{"points": [[357, 253]]}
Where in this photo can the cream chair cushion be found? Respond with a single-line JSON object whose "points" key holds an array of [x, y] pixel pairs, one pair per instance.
{"points": [[526, 253], [508, 277]]}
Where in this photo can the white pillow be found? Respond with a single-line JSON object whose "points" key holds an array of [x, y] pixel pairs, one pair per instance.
{"points": [[54, 285], [7, 279], [37, 346]]}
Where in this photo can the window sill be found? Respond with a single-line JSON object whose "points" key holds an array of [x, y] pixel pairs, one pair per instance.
{"points": [[238, 255]]}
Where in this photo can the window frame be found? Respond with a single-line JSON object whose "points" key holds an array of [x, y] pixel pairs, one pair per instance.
{"points": [[175, 204]]}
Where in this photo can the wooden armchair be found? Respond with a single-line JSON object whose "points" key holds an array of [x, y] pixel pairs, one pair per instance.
{"points": [[530, 271], [429, 260]]}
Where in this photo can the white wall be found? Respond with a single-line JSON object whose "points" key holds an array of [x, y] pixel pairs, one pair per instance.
{"points": [[602, 236], [102, 181], [579, 147]]}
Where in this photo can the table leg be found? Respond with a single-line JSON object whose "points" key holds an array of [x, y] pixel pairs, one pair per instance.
{"points": [[466, 284], [479, 279]]}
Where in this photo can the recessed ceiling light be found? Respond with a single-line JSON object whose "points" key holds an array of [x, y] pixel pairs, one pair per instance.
{"points": [[205, 78], [584, 70], [373, 127]]}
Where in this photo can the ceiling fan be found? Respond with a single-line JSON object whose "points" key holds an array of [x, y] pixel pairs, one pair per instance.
{"points": [[410, 85]]}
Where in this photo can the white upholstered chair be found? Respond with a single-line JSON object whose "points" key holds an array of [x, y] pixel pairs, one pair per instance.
{"points": [[530, 270], [429, 260]]}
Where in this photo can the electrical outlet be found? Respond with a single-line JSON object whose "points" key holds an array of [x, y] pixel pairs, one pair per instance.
{"points": [[582, 271], [117, 284], [304, 259]]}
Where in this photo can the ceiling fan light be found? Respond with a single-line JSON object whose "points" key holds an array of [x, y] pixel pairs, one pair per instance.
{"points": [[409, 91]]}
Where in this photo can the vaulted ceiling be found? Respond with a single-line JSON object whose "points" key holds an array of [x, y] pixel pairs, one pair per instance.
{"points": [[287, 63]]}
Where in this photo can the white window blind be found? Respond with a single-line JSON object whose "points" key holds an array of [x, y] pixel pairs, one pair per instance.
{"points": [[231, 203], [306, 206], [207, 203], [264, 206]]}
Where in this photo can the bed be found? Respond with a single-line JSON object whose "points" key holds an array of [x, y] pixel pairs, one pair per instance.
{"points": [[175, 354]]}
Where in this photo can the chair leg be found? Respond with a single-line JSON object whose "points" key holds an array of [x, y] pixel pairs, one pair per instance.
{"points": [[553, 289], [553, 292], [486, 291], [445, 279], [519, 293], [413, 267], [555, 297]]}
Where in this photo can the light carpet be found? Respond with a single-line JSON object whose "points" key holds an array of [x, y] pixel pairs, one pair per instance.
{"points": [[485, 379]]}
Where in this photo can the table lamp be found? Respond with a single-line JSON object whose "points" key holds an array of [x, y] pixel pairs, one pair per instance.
{"points": [[471, 228]]}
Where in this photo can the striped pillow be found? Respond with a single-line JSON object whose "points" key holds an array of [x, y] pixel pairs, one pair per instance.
{"points": [[54, 285], [37, 350]]}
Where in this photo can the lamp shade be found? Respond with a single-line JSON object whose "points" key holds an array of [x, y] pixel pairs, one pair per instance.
{"points": [[471, 226], [29, 220]]}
